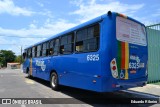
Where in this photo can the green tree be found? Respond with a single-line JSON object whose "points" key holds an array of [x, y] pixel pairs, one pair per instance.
{"points": [[6, 56], [18, 59]]}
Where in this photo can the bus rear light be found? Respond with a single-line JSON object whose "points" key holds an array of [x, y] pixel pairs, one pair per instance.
{"points": [[114, 68], [113, 62]]}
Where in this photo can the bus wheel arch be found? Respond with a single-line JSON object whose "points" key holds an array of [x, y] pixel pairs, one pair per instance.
{"points": [[54, 81]]}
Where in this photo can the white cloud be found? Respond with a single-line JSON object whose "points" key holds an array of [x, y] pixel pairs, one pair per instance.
{"points": [[91, 9], [8, 6], [47, 30]]}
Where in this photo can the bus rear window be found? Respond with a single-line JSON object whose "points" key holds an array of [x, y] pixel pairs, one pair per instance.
{"points": [[130, 31]]}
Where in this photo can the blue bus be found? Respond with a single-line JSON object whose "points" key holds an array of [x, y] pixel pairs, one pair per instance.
{"points": [[105, 54]]}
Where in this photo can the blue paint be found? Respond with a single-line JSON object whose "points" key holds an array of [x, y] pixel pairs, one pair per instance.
{"points": [[75, 71]]}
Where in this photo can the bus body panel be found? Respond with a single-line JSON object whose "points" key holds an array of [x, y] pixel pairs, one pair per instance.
{"points": [[77, 70], [136, 76]]}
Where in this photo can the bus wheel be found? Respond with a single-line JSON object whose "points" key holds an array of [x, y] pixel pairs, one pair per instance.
{"points": [[54, 81]]}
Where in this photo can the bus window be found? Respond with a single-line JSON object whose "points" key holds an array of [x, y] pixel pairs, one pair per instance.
{"points": [[34, 50], [29, 53], [56, 47], [51, 44], [63, 42], [39, 52], [66, 46], [131, 32], [88, 39], [44, 49]]}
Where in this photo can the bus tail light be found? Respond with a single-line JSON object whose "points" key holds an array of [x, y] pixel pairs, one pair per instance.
{"points": [[113, 62], [114, 69]]}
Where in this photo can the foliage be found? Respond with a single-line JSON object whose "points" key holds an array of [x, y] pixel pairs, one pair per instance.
{"points": [[18, 59], [6, 56]]}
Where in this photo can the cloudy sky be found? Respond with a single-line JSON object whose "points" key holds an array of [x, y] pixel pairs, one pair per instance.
{"points": [[25, 22]]}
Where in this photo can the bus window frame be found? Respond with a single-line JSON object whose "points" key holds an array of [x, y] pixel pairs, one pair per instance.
{"points": [[45, 49], [74, 33], [54, 45], [40, 51], [73, 43], [86, 27]]}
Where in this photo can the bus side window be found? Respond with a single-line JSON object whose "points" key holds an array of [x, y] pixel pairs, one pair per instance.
{"points": [[39, 51], [87, 39], [63, 42], [68, 48], [51, 44], [56, 47], [92, 41], [67, 43], [44, 49], [29, 53], [80, 37], [47, 50]]}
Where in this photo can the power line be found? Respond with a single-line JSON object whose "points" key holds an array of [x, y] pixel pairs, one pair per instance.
{"points": [[21, 36]]}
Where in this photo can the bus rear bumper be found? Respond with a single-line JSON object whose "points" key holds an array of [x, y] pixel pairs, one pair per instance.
{"points": [[132, 83], [118, 84], [125, 84]]}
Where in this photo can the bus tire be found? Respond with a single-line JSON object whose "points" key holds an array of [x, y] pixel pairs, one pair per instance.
{"points": [[54, 81]]}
